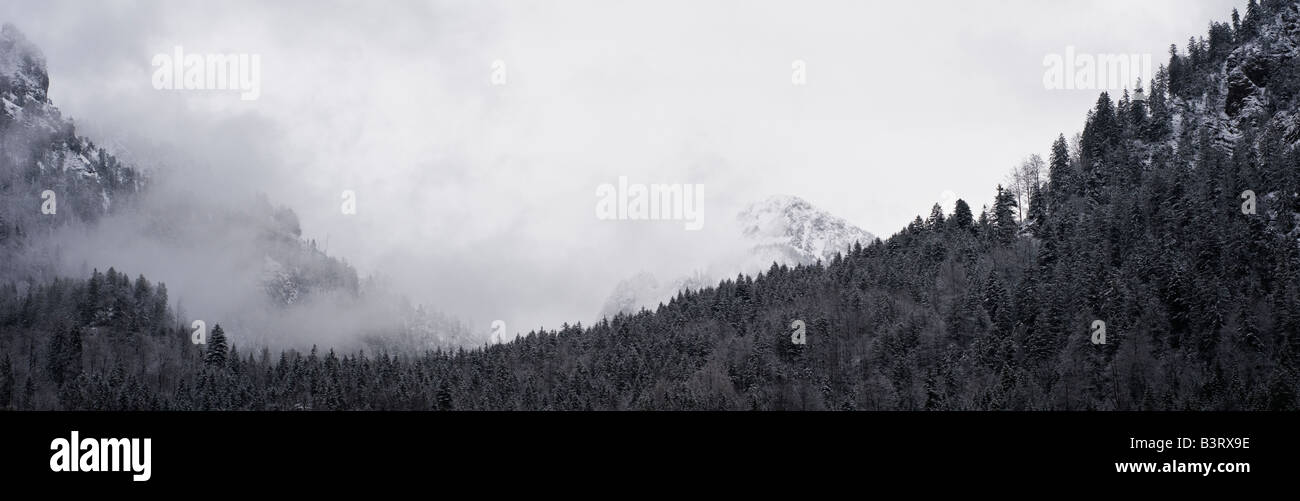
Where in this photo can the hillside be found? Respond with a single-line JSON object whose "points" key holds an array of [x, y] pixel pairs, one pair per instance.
{"points": [[1140, 225]]}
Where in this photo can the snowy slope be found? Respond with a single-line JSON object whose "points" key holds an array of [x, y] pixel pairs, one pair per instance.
{"points": [[789, 230]]}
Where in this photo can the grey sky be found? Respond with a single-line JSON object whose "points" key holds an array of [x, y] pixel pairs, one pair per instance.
{"points": [[478, 199]]}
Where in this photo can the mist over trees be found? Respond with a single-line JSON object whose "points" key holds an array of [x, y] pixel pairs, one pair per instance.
{"points": [[1172, 220], [68, 205]]}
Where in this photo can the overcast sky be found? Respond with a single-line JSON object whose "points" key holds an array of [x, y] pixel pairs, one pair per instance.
{"points": [[479, 199]]}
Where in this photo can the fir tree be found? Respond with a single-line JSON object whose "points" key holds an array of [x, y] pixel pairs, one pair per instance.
{"points": [[1060, 179], [1004, 216], [936, 219], [1037, 214], [961, 215], [216, 352]]}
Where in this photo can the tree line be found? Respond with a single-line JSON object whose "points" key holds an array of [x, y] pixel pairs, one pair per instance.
{"points": [[1138, 223]]}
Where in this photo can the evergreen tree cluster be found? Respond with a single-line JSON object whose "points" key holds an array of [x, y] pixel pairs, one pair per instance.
{"points": [[1139, 224]]}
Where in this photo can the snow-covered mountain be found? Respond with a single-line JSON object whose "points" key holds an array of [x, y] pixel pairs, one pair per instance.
{"points": [[781, 229], [40, 150], [789, 230]]}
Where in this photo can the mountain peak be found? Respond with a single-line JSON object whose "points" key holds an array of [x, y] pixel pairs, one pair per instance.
{"points": [[22, 66], [781, 229], [790, 223]]}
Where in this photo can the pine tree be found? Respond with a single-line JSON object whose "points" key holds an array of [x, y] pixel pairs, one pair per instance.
{"points": [[1177, 74], [1061, 180], [90, 305], [936, 219], [1036, 217], [1136, 115], [1251, 23], [1101, 134], [961, 215], [997, 304], [1004, 216], [216, 353], [1159, 122]]}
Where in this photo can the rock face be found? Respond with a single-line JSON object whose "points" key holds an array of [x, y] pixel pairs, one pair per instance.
{"points": [[1259, 71], [41, 155], [780, 229]]}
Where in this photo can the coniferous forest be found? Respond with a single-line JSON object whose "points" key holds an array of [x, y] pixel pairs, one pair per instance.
{"points": [[1173, 219]]}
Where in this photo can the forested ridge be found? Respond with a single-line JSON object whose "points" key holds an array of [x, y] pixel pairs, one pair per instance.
{"points": [[1173, 218]]}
